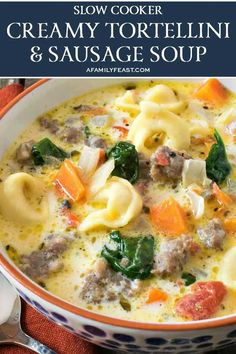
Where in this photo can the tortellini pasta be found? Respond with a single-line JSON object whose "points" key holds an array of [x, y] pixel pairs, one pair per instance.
{"points": [[23, 199], [227, 273], [162, 95], [165, 97], [122, 204], [128, 103], [152, 121], [200, 127]]}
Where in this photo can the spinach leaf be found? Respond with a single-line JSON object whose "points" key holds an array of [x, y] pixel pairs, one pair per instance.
{"points": [[132, 256], [87, 131], [126, 161], [45, 148], [124, 303], [217, 164], [188, 278]]}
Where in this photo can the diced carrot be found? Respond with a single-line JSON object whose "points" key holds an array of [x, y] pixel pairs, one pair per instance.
{"points": [[123, 131], [222, 198], [212, 92], [169, 217], [230, 224], [68, 180], [73, 219], [102, 157], [155, 295]]}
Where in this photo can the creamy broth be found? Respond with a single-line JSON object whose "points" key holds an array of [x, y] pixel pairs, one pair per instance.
{"points": [[112, 114]]}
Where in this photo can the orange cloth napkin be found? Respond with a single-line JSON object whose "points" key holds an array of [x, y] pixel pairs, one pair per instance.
{"points": [[35, 324], [50, 334], [8, 93]]}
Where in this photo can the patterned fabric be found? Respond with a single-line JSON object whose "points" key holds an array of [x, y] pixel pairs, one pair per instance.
{"points": [[45, 331]]}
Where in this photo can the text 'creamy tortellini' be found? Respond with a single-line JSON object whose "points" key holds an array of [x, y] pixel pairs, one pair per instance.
{"points": [[23, 199], [227, 273], [153, 121], [122, 204]]}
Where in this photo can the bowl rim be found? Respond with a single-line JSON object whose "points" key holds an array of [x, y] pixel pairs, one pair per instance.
{"points": [[49, 297]]}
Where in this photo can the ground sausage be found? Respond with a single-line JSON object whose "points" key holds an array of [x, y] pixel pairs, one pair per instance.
{"points": [[144, 167], [74, 122], [84, 108], [173, 254], [167, 164], [90, 110], [39, 264], [24, 152], [212, 236], [52, 125], [103, 284], [71, 135]]}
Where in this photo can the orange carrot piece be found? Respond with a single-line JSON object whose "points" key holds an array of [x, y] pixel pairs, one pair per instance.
{"points": [[230, 224], [155, 295], [73, 219], [212, 92], [222, 198], [102, 157], [169, 217], [123, 131], [68, 180]]}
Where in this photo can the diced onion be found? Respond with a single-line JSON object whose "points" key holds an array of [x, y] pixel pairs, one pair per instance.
{"points": [[199, 111], [101, 121], [197, 203], [88, 161], [118, 115], [226, 118], [194, 171], [100, 177], [231, 150]]}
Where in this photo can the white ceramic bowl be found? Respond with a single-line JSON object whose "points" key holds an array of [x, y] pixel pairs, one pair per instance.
{"points": [[105, 331]]}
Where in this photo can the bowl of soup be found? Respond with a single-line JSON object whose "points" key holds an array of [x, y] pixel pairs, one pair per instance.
{"points": [[118, 209]]}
